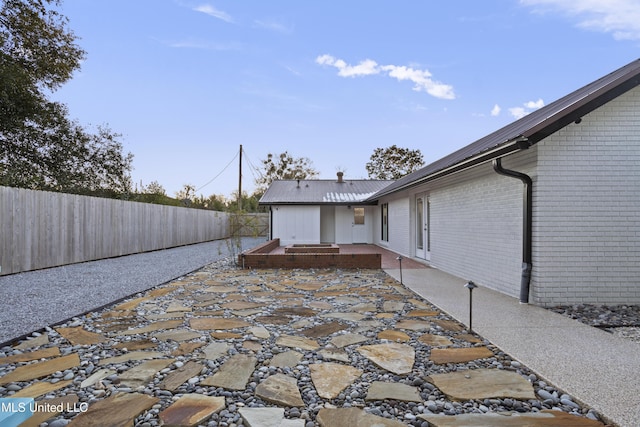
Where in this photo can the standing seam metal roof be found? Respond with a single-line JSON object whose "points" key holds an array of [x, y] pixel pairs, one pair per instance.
{"points": [[528, 130], [316, 191]]}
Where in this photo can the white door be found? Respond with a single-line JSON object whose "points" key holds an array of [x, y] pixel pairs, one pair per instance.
{"points": [[423, 240], [358, 227]]}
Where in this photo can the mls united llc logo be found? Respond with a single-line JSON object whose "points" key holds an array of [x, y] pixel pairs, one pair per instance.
{"points": [[14, 411]]}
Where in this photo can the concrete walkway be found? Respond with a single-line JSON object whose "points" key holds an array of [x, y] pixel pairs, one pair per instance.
{"points": [[595, 367]]}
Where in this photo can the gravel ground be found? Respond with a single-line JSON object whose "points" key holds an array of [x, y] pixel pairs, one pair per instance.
{"points": [[315, 317], [621, 320], [32, 300]]}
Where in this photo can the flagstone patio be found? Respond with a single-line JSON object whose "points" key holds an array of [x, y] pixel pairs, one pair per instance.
{"points": [[329, 348]]}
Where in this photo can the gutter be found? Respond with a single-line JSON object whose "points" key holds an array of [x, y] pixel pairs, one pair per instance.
{"points": [[527, 216], [515, 144]]}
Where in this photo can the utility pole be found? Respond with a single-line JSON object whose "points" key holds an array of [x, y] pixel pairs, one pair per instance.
{"points": [[240, 181]]}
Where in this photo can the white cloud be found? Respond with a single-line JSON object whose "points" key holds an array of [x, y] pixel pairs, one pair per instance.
{"points": [[364, 68], [495, 111], [534, 105], [520, 112], [621, 18], [273, 25], [212, 11], [421, 78]]}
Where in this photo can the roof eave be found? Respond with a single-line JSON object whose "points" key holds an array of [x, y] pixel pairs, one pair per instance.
{"points": [[516, 144], [353, 203], [580, 108]]}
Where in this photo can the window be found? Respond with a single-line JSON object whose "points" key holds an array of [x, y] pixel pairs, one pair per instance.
{"points": [[358, 215], [385, 222]]}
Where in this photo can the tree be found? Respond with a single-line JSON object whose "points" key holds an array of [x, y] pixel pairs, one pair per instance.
{"points": [[284, 166], [40, 147], [393, 162]]}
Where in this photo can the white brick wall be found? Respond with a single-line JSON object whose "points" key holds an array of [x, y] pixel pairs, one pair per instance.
{"points": [[476, 224], [399, 221], [476, 228], [587, 209]]}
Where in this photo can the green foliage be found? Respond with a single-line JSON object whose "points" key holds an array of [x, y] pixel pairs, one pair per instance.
{"points": [[284, 166], [393, 162], [40, 147]]}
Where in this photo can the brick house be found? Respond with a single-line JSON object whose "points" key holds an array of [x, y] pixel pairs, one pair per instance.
{"points": [[545, 209]]}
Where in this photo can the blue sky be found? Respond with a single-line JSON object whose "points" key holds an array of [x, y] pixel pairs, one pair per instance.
{"points": [[187, 82]]}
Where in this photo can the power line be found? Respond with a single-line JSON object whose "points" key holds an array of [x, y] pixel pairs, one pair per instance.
{"points": [[214, 178], [252, 168]]}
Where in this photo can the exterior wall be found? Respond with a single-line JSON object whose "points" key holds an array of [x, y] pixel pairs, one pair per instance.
{"points": [[476, 227], [327, 224], [296, 224], [344, 224], [344, 220], [587, 209], [475, 224], [399, 221]]}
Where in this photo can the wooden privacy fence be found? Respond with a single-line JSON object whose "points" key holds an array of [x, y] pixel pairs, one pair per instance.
{"points": [[40, 229]]}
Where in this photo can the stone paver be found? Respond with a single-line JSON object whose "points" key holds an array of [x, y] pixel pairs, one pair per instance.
{"points": [[259, 332], [353, 417], [348, 339], [141, 374], [43, 353], [216, 350], [458, 355], [297, 342], [178, 377], [191, 410], [324, 330], [120, 409], [511, 419], [41, 369], [330, 379], [132, 355], [80, 336], [394, 357], [267, 417], [40, 388], [177, 335], [96, 376], [379, 390], [211, 323], [281, 390], [335, 354], [286, 359], [435, 340], [153, 327], [396, 336], [483, 384], [414, 325], [234, 373], [42, 339]]}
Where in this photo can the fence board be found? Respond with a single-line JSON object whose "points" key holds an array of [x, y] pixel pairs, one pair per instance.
{"points": [[41, 229]]}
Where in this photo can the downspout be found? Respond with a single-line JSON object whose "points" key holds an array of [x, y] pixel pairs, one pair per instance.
{"points": [[527, 214], [270, 222]]}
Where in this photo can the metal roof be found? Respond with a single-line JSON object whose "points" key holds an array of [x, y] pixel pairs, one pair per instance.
{"points": [[319, 191], [528, 130]]}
